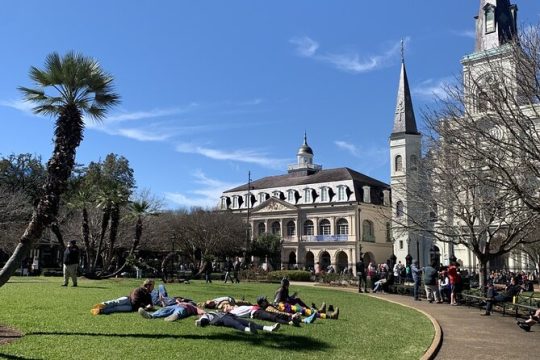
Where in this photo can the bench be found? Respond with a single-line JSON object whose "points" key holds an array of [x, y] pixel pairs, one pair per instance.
{"points": [[473, 297], [527, 302]]}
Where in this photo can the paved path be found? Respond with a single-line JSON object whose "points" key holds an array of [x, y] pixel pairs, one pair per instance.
{"points": [[467, 335]]}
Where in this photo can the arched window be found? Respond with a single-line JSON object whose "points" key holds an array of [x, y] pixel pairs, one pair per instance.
{"points": [[224, 203], [343, 227], [291, 228], [291, 196], [276, 228], [261, 228], [368, 232], [324, 227], [235, 202], [399, 209], [398, 163], [309, 229], [262, 197]]}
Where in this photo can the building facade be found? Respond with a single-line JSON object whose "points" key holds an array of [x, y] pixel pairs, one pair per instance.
{"points": [[496, 27], [331, 217]]}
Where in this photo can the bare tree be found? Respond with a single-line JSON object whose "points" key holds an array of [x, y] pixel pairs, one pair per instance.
{"points": [[478, 184]]}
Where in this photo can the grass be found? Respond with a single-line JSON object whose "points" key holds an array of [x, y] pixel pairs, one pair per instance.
{"points": [[57, 324]]}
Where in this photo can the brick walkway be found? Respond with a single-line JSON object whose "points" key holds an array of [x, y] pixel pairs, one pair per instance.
{"points": [[467, 335]]}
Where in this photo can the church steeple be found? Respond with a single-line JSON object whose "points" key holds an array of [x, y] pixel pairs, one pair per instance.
{"points": [[496, 24], [404, 120]]}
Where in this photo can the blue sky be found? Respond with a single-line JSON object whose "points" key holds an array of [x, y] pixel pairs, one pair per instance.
{"points": [[214, 89]]}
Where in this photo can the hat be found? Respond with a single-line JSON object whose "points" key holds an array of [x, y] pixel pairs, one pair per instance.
{"points": [[284, 282], [261, 299]]}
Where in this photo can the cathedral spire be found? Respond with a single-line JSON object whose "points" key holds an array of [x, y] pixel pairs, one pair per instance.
{"points": [[404, 120]]}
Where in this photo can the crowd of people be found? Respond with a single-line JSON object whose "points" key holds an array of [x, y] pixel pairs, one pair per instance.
{"points": [[286, 309], [445, 283]]}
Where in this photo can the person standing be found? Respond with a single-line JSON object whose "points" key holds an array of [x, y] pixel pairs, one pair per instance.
{"points": [[430, 283], [71, 263], [361, 274], [416, 275], [228, 270], [236, 269]]}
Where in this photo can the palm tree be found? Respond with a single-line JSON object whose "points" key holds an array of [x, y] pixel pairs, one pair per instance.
{"points": [[79, 86]]}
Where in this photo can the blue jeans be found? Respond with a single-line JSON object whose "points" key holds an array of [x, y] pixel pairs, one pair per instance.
{"points": [[416, 289], [118, 305], [169, 310], [165, 299]]}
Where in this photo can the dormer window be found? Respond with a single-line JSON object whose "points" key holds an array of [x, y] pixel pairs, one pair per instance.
{"points": [[291, 197], [342, 193], [235, 202], [307, 196], [263, 197], [324, 194], [224, 203], [277, 194], [490, 19]]}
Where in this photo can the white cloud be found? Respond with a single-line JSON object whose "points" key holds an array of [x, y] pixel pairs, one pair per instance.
{"points": [[247, 156], [139, 115], [207, 196], [305, 46], [465, 33], [370, 158], [21, 105], [141, 135], [348, 147], [431, 89], [349, 62]]}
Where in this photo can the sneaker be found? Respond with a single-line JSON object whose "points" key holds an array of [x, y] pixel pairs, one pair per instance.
{"points": [[322, 309], [334, 315], [145, 314], [524, 326], [275, 327], [172, 317], [202, 322], [484, 314], [96, 309], [310, 319], [295, 321]]}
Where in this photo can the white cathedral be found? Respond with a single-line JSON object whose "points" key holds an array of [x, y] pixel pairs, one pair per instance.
{"points": [[336, 216]]}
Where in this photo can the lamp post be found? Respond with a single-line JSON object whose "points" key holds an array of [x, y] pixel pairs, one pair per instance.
{"points": [[248, 232]]}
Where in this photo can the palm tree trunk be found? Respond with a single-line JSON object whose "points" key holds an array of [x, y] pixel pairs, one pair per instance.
{"points": [[68, 136]]}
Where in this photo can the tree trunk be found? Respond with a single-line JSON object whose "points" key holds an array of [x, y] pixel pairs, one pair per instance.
{"points": [[113, 232], [86, 237], [56, 231], [68, 136], [104, 224], [483, 274]]}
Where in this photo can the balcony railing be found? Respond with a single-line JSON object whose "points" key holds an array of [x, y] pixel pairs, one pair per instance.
{"points": [[325, 238]]}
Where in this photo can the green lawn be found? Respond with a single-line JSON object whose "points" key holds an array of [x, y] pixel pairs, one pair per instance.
{"points": [[57, 324]]}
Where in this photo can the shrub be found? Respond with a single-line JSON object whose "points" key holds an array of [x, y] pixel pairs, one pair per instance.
{"points": [[293, 275]]}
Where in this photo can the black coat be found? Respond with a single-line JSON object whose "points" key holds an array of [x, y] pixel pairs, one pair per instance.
{"points": [[71, 255]]}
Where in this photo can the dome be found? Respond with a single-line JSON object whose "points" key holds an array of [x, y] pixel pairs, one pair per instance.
{"points": [[305, 149]]}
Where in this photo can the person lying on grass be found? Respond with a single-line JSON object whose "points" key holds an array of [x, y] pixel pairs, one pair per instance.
{"points": [[220, 302], [160, 297], [179, 310], [233, 321], [292, 304], [138, 298], [256, 312]]}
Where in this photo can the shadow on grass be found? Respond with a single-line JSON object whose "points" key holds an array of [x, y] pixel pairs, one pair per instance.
{"points": [[15, 357], [275, 340]]}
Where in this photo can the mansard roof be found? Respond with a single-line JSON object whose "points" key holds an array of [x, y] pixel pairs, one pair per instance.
{"points": [[322, 176]]}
